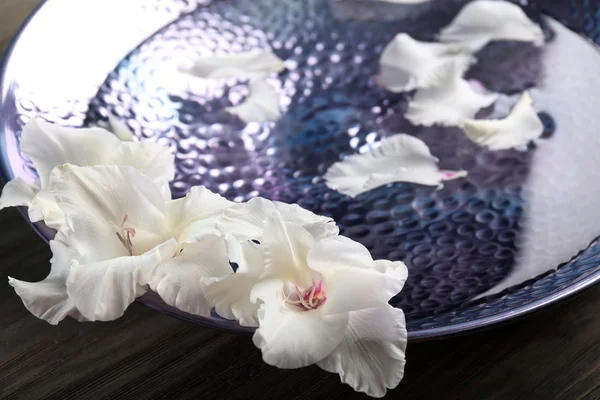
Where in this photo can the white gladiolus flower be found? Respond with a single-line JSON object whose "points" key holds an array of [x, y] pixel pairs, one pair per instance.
{"points": [[314, 295], [399, 158], [519, 128], [449, 101], [262, 103], [49, 145], [244, 226], [121, 237], [483, 21], [407, 64]]}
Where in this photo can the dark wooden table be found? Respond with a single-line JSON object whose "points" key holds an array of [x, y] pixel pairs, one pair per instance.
{"points": [[554, 354]]}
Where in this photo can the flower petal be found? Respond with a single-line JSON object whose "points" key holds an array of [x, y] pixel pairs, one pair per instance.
{"points": [[399, 158], [285, 249], [230, 296], [120, 129], [49, 145], [520, 127], [371, 357], [196, 214], [247, 221], [247, 255], [151, 159], [449, 101], [353, 281], [48, 299], [96, 201], [261, 104], [484, 21], [408, 64], [180, 280], [18, 193], [293, 339], [241, 65], [103, 290]]}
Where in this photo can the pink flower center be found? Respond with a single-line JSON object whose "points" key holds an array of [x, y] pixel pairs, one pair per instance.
{"points": [[309, 299], [126, 235]]}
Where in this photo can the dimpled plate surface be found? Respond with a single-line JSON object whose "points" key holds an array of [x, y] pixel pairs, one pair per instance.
{"points": [[458, 242]]}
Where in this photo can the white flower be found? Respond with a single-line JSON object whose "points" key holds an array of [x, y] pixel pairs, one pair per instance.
{"points": [[326, 302], [244, 226], [49, 145], [520, 127], [449, 101], [316, 297], [242, 65], [408, 64], [120, 236], [399, 158], [484, 21], [261, 104]]}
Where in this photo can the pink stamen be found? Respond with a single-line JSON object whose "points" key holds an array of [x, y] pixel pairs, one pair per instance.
{"points": [[309, 299], [125, 235]]}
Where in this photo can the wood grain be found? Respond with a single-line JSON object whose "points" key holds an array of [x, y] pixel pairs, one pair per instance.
{"points": [[552, 355]]}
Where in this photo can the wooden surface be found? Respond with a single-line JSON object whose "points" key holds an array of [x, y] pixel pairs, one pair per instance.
{"points": [[552, 355]]}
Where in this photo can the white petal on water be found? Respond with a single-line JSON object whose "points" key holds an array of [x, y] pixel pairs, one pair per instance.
{"points": [[255, 64], [484, 21], [261, 104], [371, 357], [407, 64], [399, 158], [520, 127], [447, 103]]}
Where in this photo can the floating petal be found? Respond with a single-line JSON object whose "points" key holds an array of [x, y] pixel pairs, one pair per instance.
{"points": [[447, 103], [520, 127], [399, 158], [243, 65], [484, 21], [407, 64], [262, 103]]}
